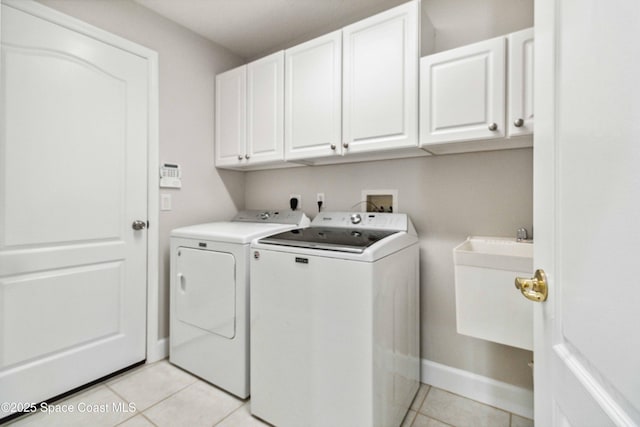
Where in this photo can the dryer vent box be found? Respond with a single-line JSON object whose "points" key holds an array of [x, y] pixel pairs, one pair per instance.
{"points": [[380, 200]]}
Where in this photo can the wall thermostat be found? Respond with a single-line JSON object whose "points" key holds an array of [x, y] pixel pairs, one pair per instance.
{"points": [[170, 176]]}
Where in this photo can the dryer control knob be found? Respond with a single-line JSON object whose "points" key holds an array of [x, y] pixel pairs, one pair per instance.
{"points": [[356, 218]]}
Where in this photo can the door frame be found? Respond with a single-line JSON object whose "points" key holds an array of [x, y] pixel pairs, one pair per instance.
{"points": [[156, 347]]}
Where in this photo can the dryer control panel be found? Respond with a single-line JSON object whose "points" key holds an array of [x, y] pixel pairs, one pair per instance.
{"points": [[272, 216]]}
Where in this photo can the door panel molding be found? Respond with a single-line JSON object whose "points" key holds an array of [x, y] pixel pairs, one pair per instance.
{"points": [[604, 408]]}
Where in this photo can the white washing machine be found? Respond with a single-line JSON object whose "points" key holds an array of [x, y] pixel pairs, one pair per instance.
{"points": [[209, 307], [335, 322]]}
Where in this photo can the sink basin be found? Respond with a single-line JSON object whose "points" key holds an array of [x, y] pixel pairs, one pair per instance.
{"points": [[488, 305], [501, 253]]}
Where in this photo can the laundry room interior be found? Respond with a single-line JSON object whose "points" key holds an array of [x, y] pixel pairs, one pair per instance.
{"points": [[451, 182]]}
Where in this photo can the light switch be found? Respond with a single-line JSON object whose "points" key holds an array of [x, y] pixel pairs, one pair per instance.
{"points": [[165, 202]]}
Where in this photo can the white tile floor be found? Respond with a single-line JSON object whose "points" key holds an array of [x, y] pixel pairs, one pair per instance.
{"points": [[164, 395]]}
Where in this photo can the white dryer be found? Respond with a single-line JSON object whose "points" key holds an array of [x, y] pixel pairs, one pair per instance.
{"points": [[209, 302], [335, 322]]}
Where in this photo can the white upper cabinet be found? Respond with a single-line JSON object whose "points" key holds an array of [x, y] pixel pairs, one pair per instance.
{"points": [[250, 114], [231, 123], [482, 92], [265, 109], [313, 90], [380, 81], [351, 95], [520, 87], [462, 94]]}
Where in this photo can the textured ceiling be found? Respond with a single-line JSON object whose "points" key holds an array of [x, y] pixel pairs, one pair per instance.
{"points": [[252, 28]]}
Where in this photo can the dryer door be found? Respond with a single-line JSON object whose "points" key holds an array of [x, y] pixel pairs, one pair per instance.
{"points": [[206, 290]]}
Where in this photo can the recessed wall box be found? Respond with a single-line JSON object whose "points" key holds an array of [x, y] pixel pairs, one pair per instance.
{"points": [[380, 201]]}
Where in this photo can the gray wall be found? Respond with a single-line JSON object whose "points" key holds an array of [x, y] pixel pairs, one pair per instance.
{"points": [[188, 64], [461, 22], [448, 198]]}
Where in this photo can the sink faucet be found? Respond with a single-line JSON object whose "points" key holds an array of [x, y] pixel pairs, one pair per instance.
{"points": [[521, 234]]}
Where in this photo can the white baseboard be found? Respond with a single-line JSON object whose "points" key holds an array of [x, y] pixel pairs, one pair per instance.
{"points": [[159, 351], [508, 397]]}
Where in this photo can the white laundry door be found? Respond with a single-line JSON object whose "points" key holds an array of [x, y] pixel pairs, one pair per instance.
{"points": [[587, 213], [73, 167]]}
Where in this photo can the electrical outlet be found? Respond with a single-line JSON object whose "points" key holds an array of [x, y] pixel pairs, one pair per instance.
{"points": [[296, 196], [320, 197]]}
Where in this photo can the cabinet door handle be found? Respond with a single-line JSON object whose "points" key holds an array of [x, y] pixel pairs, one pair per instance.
{"points": [[333, 147], [518, 122], [493, 127], [246, 156], [239, 156], [345, 145]]}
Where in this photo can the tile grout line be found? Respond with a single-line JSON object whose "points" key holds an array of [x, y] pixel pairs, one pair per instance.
{"points": [[415, 415], [233, 412], [438, 420], [472, 400], [159, 401], [476, 401], [148, 419], [135, 370], [125, 400], [429, 416]]}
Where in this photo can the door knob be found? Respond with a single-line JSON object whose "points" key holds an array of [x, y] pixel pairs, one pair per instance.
{"points": [[518, 123], [138, 225], [536, 288], [240, 157], [345, 145], [333, 146], [493, 127]]}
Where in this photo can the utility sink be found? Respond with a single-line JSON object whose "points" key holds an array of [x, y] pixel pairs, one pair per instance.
{"points": [[488, 305], [501, 253]]}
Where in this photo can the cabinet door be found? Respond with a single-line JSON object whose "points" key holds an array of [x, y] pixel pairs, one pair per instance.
{"points": [[520, 87], [265, 109], [231, 123], [462, 93], [313, 95], [380, 94]]}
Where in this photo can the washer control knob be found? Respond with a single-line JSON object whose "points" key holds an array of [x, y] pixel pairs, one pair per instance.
{"points": [[356, 218], [264, 215]]}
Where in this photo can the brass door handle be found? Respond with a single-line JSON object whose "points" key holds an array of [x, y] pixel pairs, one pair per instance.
{"points": [[536, 288]]}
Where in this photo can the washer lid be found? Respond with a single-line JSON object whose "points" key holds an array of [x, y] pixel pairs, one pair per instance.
{"points": [[329, 238], [230, 232]]}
